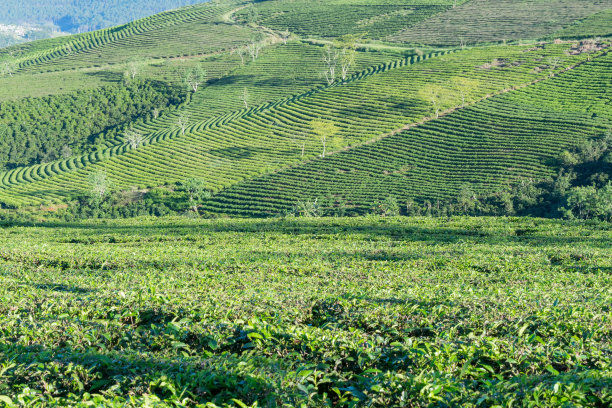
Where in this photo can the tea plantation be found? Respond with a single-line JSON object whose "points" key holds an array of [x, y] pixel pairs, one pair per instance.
{"points": [[319, 312], [264, 203]]}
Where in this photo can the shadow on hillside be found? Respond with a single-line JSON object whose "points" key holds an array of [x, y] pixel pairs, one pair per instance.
{"points": [[230, 79], [278, 82], [389, 228], [237, 152], [106, 76]]}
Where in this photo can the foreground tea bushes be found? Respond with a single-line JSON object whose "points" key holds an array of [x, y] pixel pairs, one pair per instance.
{"points": [[308, 312]]}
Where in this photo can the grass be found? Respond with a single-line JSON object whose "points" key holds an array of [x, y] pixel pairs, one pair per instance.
{"points": [[320, 312]]}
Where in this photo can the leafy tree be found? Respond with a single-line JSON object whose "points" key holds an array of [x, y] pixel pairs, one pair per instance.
{"points": [[324, 131], [195, 77], [196, 192]]}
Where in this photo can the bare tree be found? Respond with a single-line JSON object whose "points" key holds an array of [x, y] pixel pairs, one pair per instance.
{"points": [[347, 44], [133, 68], [99, 184], [330, 61], [133, 138], [182, 122], [8, 67], [255, 46], [195, 77], [285, 35], [241, 53], [553, 63], [347, 61], [244, 97]]}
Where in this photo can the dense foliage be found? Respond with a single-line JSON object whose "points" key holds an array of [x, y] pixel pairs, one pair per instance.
{"points": [[84, 15], [333, 312], [37, 130]]}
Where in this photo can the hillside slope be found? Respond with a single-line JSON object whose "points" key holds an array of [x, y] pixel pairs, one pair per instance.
{"points": [[250, 129], [228, 149], [486, 146]]}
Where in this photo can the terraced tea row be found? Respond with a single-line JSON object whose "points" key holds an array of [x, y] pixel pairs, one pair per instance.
{"points": [[596, 25], [517, 134], [240, 145], [279, 72], [483, 21], [186, 31], [333, 18]]}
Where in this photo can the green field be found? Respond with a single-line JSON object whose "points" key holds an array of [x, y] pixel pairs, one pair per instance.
{"points": [[318, 312], [167, 188], [230, 148], [482, 21]]}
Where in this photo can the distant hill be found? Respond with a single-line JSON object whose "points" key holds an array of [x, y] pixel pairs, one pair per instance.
{"points": [[35, 19]]}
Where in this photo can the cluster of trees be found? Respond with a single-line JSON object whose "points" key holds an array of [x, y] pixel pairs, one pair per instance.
{"points": [[36, 130], [103, 201], [339, 58], [77, 16]]}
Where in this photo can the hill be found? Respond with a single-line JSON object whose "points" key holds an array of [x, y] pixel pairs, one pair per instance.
{"points": [[77, 16], [308, 203], [403, 117]]}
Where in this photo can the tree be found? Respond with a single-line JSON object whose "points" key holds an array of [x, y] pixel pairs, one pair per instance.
{"points": [[66, 151], [195, 77], [241, 52], [553, 63], [324, 130], [436, 95], [182, 122], [195, 188], [589, 202], [464, 87], [255, 46], [347, 45], [347, 61], [330, 61], [285, 35], [252, 16], [244, 97], [133, 138], [99, 184], [133, 68], [8, 67], [466, 198]]}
